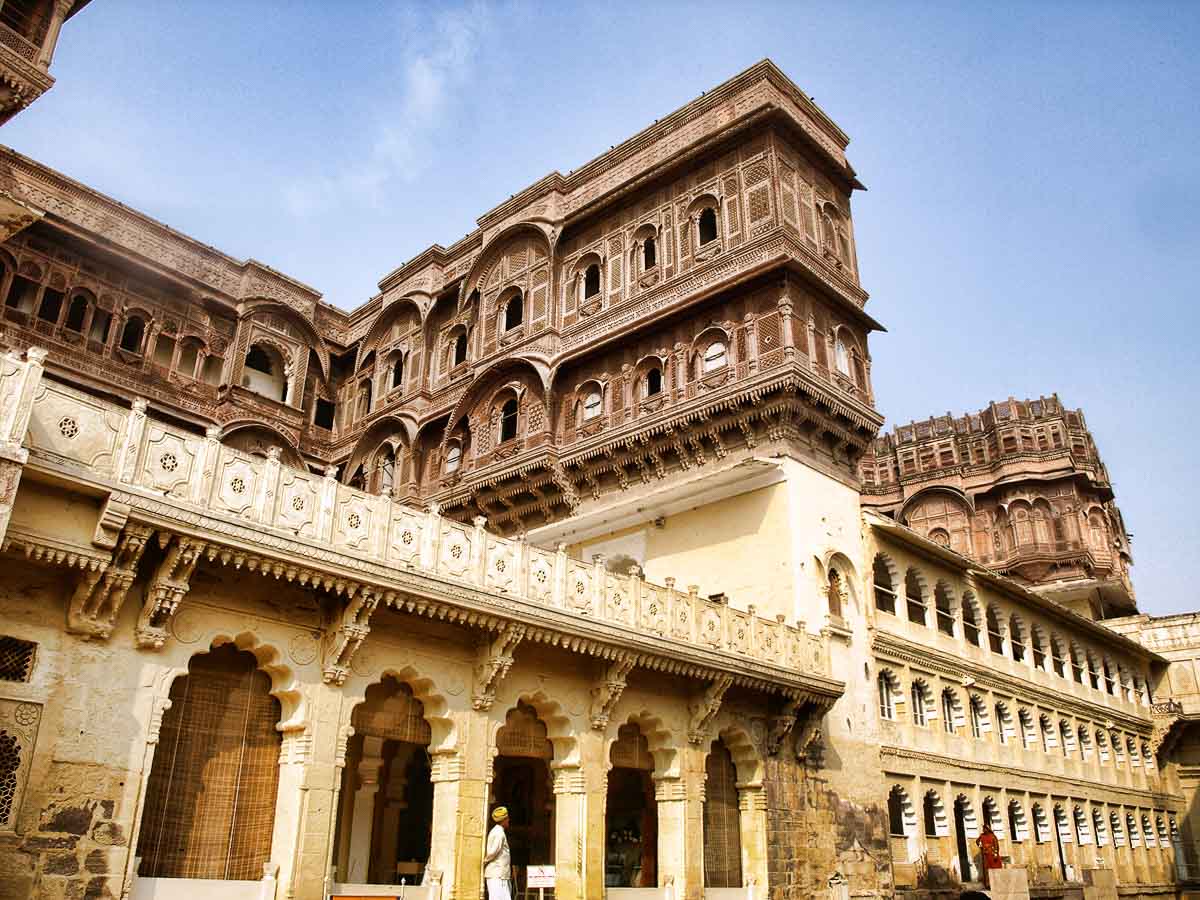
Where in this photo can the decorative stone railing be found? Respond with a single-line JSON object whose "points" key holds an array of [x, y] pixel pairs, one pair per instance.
{"points": [[131, 451]]}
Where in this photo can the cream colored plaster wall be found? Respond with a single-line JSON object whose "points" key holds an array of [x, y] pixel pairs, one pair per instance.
{"points": [[736, 546], [767, 547]]}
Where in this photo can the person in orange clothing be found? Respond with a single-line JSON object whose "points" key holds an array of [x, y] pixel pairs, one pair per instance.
{"points": [[989, 849]]}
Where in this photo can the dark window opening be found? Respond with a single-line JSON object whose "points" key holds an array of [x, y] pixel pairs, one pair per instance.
{"points": [[77, 313], [653, 382], [398, 372], [708, 226], [51, 305], [649, 254], [259, 360], [514, 312], [323, 415], [508, 420], [101, 320], [591, 281], [460, 349], [895, 813], [20, 16], [21, 293], [131, 337]]}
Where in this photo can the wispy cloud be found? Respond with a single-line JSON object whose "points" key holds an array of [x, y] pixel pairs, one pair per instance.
{"points": [[405, 129]]}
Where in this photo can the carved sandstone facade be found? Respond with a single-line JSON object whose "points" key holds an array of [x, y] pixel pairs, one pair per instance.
{"points": [[566, 517]]}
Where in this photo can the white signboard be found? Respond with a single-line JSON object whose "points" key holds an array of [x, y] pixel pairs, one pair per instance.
{"points": [[539, 876]]}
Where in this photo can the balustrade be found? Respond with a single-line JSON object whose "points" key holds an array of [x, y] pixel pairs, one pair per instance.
{"points": [[129, 449]]}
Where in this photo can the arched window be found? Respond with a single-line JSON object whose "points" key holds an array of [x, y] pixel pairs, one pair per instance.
{"points": [[591, 281], [387, 472], [932, 813], [914, 598], [945, 612], [131, 336], [1083, 830], [649, 254], [1067, 735], [653, 382], [364, 398], [835, 593], [397, 371], [1131, 829], [887, 695], [1039, 648], [1056, 657], [970, 621], [1041, 824], [897, 800], [453, 458], [508, 420], [593, 405], [1018, 826], [885, 593], [721, 819], [1084, 735], [1048, 738], [922, 700], [1016, 637], [951, 711], [995, 637], [1118, 829], [460, 349], [979, 722], [708, 226], [210, 799], [841, 355], [77, 313], [514, 312], [1004, 723], [714, 357], [991, 816], [1028, 733], [1100, 828], [263, 373], [1102, 745]]}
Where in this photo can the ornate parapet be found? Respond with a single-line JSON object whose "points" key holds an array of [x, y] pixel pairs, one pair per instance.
{"points": [[369, 549]]}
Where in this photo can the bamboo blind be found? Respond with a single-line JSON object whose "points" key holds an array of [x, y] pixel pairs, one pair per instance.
{"points": [[210, 799], [722, 823]]}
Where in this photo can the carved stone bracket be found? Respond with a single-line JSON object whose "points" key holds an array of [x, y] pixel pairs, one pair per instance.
{"points": [[166, 589], [781, 725], [808, 738], [343, 640], [704, 706], [608, 689], [494, 659], [99, 596]]}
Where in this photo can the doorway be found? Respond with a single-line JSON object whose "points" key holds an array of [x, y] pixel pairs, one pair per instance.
{"points": [[521, 782], [630, 814]]}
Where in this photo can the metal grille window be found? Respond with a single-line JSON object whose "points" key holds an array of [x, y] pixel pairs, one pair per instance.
{"points": [[16, 658], [210, 798], [722, 821]]}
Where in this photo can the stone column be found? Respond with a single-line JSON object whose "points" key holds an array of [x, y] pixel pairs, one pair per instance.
{"points": [[18, 383], [358, 867], [389, 825], [752, 821], [681, 826], [460, 800], [580, 795], [312, 769]]}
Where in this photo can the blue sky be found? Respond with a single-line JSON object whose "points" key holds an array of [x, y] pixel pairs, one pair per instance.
{"points": [[1031, 223]]}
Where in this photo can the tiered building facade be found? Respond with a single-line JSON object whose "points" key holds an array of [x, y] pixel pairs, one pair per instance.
{"points": [[585, 514]]}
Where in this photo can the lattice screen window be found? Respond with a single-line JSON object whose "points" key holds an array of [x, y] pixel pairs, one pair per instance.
{"points": [[18, 734], [16, 658], [210, 799], [722, 821]]}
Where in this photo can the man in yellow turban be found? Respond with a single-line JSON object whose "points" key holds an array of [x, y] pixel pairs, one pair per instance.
{"points": [[497, 861]]}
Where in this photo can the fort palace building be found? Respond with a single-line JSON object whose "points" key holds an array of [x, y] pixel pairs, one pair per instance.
{"points": [[587, 514]]}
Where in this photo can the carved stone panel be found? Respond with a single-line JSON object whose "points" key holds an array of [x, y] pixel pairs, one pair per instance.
{"points": [[19, 722], [167, 462], [75, 427]]}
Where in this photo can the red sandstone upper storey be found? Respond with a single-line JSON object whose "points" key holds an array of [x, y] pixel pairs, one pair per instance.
{"points": [[1019, 486], [684, 289]]}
